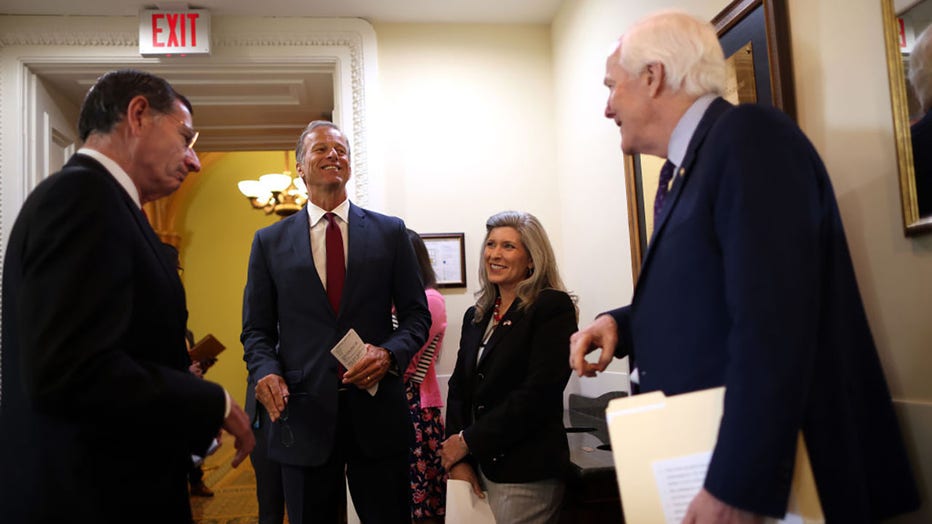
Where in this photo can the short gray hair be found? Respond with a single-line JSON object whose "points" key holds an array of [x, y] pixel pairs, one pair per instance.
{"points": [[687, 47], [299, 148], [920, 68]]}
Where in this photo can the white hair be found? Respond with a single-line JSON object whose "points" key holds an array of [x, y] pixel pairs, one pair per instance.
{"points": [[920, 68], [687, 47]]}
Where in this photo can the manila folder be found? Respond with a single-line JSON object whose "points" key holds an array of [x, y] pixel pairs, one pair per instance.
{"points": [[662, 447]]}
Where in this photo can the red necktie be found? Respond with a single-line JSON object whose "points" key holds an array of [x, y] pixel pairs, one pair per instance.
{"points": [[336, 267]]}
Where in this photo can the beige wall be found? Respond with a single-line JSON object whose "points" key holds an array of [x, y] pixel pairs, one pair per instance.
{"points": [[467, 116], [843, 106], [216, 228]]}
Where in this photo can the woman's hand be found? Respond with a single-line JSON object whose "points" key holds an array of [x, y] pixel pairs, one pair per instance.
{"points": [[464, 471]]}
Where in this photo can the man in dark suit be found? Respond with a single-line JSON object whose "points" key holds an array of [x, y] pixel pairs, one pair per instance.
{"points": [[747, 284], [99, 414], [297, 305]]}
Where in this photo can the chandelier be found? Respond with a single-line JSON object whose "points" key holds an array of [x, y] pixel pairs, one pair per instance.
{"points": [[278, 193]]}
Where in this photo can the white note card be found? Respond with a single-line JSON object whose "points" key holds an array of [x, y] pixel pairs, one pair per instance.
{"points": [[350, 350]]}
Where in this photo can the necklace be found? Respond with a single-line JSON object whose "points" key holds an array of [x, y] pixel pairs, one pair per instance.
{"points": [[497, 309]]}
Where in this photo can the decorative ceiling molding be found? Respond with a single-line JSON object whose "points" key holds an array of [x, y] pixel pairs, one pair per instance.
{"points": [[347, 41], [69, 38]]}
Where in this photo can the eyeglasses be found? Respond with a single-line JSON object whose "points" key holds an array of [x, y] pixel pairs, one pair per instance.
{"points": [[188, 134], [287, 434]]}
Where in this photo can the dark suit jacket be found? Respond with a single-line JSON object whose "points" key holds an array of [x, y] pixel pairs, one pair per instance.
{"points": [[510, 405], [289, 329], [748, 283], [100, 414]]}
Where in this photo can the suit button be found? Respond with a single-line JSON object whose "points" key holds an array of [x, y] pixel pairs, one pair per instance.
{"points": [[480, 409], [481, 376]]}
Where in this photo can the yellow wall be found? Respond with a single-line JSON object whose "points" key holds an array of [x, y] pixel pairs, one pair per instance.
{"points": [[216, 234]]}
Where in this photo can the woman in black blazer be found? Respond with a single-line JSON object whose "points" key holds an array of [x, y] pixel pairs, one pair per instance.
{"points": [[505, 401]]}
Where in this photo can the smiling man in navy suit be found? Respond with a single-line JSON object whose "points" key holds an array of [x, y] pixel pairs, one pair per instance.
{"points": [[313, 276], [747, 284]]}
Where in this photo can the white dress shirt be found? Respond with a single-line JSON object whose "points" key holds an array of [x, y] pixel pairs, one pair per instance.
{"points": [[318, 226]]}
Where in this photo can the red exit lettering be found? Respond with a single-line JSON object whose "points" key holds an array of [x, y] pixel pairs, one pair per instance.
{"points": [[178, 25]]}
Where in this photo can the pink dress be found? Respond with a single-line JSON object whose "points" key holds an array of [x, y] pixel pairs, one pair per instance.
{"points": [[428, 479]]}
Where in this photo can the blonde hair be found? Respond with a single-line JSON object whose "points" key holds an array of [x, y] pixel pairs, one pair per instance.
{"points": [[544, 275]]}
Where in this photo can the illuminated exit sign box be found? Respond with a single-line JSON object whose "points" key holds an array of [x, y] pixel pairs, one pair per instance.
{"points": [[174, 32]]}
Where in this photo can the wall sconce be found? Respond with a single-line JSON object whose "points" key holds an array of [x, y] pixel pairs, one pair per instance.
{"points": [[278, 193]]}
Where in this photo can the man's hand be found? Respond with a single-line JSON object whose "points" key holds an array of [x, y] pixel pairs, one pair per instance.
{"points": [[237, 424], [453, 450], [370, 369], [602, 333], [464, 471], [272, 392], [706, 509]]}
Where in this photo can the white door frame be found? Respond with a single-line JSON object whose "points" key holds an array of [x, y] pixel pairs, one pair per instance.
{"points": [[28, 43], [45, 43]]}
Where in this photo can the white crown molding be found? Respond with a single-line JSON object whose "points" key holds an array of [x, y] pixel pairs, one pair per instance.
{"points": [[70, 38], [77, 40]]}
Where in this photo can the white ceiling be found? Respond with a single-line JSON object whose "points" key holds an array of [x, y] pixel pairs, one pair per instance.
{"points": [[264, 107], [463, 11]]}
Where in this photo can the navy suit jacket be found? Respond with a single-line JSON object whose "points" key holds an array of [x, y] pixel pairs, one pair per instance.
{"points": [[510, 403], [289, 328], [748, 283], [99, 414]]}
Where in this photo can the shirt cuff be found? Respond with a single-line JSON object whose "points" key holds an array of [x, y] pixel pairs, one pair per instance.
{"points": [[228, 405]]}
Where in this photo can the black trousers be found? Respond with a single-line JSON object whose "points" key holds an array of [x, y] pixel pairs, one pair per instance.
{"points": [[380, 487]]}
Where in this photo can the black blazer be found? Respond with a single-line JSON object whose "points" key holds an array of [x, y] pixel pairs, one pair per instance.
{"points": [[510, 405], [748, 283], [289, 328], [99, 414]]}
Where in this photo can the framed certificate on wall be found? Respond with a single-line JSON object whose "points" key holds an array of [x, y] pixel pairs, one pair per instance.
{"points": [[448, 257]]}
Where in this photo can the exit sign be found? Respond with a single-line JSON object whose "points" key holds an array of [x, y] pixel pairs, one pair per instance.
{"points": [[174, 33]]}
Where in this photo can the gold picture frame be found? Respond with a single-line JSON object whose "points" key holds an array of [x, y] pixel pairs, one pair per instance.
{"points": [[913, 223]]}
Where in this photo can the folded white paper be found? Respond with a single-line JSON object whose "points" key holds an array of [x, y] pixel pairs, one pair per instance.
{"points": [[350, 350], [464, 506], [662, 447]]}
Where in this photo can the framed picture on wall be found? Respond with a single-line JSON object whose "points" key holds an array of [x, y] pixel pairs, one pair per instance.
{"points": [[448, 257], [755, 38]]}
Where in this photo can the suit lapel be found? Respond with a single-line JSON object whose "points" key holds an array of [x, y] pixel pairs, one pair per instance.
{"points": [[712, 114], [511, 317], [359, 240], [156, 245], [469, 345], [298, 237]]}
